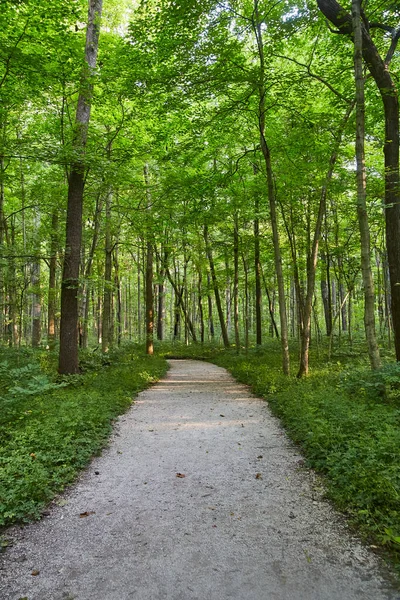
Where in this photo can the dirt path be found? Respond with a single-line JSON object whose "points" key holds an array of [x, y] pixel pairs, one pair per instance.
{"points": [[199, 496]]}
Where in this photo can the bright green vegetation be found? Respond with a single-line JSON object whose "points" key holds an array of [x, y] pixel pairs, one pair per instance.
{"points": [[346, 419], [50, 430]]}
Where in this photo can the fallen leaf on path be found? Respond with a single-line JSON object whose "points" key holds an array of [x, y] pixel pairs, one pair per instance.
{"points": [[87, 513], [180, 475], [35, 572], [258, 476]]}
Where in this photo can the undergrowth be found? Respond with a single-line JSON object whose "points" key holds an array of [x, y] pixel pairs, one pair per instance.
{"points": [[345, 418], [51, 426]]}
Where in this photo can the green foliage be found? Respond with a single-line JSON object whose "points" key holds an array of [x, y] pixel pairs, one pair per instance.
{"points": [[49, 431]]}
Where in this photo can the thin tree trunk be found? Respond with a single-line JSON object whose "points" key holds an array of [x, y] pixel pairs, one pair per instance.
{"points": [[210, 310], [224, 332], [108, 286], [236, 283], [246, 302], [379, 69], [270, 307], [200, 303], [88, 270], [271, 195], [149, 272], [68, 358], [369, 291], [257, 270], [161, 297], [52, 297], [313, 258]]}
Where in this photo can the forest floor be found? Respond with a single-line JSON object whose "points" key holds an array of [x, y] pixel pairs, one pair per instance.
{"points": [[199, 495]]}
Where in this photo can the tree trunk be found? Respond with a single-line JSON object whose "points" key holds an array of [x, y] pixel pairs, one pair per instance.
{"points": [[246, 303], [369, 291], [313, 258], [161, 297], [236, 283], [88, 271], [379, 70], [52, 297], [108, 286], [210, 310], [149, 273], [68, 358], [271, 194], [200, 303], [224, 332], [257, 270]]}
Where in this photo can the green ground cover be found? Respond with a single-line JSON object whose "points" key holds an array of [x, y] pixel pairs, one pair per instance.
{"points": [[50, 428], [346, 420]]}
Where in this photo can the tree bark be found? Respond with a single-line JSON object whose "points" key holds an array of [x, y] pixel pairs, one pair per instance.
{"points": [[271, 194], [369, 291], [257, 270], [313, 258], [52, 297], [236, 283], [379, 70], [149, 273], [108, 286], [68, 358], [224, 332]]}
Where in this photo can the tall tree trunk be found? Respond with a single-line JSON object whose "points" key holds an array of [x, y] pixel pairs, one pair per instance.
{"points": [[108, 285], [326, 293], [117, 284], [161, 296], [88, 270], [379, 69], [149, 272], [246, 302], [200, 303], [313, 258], [257, 269], [180, 305], [68, 358], [236, 282], [271, 194], [210, 309], [369, 291], [224, 332], [52, 297], [274, 328], [36, 304]]}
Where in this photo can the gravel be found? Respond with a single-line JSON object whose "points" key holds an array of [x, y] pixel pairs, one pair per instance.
{"points": [[199, 496]]}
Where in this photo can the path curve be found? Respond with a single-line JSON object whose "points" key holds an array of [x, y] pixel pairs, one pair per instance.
{"points": [[200, 496]]}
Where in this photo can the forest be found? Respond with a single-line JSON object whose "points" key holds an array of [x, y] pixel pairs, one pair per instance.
{"points": [[215, 179]]}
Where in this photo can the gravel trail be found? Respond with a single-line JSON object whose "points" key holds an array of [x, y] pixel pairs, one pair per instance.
{"points": [[200, 496]]}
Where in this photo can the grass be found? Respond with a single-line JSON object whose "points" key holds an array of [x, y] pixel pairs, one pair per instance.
{"points": [[346, 420], [50, 428]]}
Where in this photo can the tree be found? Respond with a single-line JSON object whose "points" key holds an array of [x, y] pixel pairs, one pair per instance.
{"points": [[379, 69], [68, 358]]}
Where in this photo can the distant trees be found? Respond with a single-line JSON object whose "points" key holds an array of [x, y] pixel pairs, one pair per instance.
{"points": [[213, 197]]}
